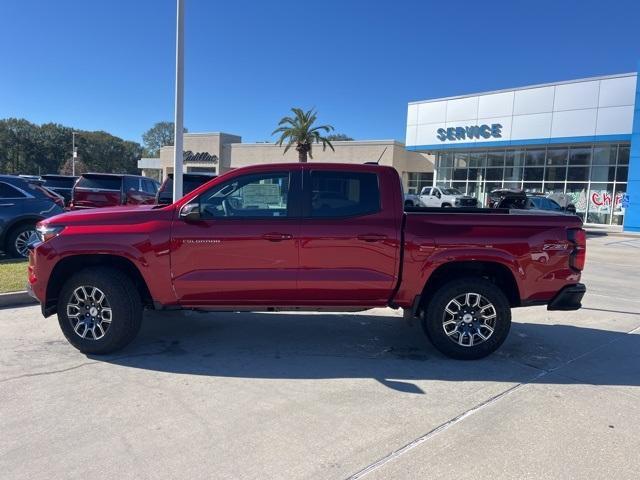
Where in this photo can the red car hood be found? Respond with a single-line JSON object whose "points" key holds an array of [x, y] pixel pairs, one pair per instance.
{"points": [[112, 215]]}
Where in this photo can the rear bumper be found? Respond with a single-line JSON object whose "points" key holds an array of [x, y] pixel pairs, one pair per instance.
{"points": [[569, 298]]}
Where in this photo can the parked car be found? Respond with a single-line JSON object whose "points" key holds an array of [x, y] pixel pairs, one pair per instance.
{"points": [[541, 202], [96, 190], [23, 203], [445, 197], [518, 199], [412, 200], [255, 239], [190, 181], [61, 184], [507, 198]]}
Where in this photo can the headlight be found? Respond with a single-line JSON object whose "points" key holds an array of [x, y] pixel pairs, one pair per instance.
{"points": [[47, 232]]}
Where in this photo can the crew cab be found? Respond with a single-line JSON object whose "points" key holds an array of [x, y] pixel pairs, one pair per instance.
{"points": [[99, 190], [307, 236], [445, 197]]}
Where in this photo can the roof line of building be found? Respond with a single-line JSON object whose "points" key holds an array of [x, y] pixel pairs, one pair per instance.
{"points": [[527, 87], [333, 142]]}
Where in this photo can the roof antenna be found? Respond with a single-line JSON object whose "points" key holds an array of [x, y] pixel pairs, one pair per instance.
{"points": [[379, 158]]}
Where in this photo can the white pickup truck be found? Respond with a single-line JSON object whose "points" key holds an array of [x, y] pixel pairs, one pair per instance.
{"points": [[445, 197]]}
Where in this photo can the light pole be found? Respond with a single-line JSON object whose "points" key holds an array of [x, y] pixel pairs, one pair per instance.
{"points": [[177, 134], [74, 153]]}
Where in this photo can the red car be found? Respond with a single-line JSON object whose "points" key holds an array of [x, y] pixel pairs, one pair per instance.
{"points": [[95, 190], [305, 237]]}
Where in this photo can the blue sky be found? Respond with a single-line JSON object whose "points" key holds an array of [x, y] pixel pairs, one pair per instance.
{"points": [[109, 64]]}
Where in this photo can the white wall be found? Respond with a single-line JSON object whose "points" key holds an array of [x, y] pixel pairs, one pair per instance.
{"points": [[584, 108]]}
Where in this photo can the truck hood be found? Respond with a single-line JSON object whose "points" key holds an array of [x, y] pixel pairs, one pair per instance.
{"points": [[112, 215]]}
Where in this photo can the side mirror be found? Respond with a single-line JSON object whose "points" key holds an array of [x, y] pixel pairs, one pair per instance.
{"points": [[190, 212]]}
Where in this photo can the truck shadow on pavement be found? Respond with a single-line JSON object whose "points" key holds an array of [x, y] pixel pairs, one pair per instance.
{"points": [[324, 346]]}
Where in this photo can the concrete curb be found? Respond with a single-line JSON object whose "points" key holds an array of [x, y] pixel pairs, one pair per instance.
{"points": [[604, 233], [15, 299]]}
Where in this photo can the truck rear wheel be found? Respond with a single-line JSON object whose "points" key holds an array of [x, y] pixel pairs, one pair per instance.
{"points": [[99, 310], [467, 319]]}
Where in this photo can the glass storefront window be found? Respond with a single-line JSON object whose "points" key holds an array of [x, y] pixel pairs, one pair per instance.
{"points": [[476, 174], [622, 173], [592, 176], [460, 160], [579, 155], [623, 154], [600, 203], [557, 156], [459, 174], [514, 158], [618, 211], [605, 155], [494, 174], [603, 173], [445, 159], [578, 174], [444, 174], [554, 187], [462, 186], [578, 195], [478, 159], [513, 185], [532, 187], [495, 159], [534, 158], [555, 174], [533, 174]]}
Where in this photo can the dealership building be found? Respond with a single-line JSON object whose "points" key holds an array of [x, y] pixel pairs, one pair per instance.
{"points": [[575, 138], [216, 153]]}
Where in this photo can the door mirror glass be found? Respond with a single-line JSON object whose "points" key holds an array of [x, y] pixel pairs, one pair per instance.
{"points": [[190, 212]]}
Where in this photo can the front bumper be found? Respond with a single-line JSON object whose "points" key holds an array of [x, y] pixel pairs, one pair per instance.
{"points": [[569, 298]]}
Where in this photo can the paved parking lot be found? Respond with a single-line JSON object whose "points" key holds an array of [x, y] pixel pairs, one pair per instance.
{"points": [[332, 396]]}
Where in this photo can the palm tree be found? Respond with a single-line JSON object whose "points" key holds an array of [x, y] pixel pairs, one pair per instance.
{"points": [[299, 130]]}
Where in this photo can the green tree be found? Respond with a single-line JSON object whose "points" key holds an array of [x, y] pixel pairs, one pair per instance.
{"points": [[67, 167], [27, 148], [160, 135], [299, 130], [339, 137]]}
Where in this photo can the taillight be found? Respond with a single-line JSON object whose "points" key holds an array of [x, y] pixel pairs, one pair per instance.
{"points": [[579, 254]]}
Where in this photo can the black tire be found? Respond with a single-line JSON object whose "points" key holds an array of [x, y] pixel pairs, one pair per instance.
{"points": [[408, 203], [11, 248], [434, 316], [123, 299], [446, 205]]}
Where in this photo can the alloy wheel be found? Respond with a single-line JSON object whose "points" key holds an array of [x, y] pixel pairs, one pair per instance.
{"points": [[469, 319], [89, 312], [23, 240]]}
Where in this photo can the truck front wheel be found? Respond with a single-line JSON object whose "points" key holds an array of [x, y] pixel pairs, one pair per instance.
{"points": [[99, 310], [467, 319]]}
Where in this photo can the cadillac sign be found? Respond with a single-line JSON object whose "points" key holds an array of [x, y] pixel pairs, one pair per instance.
{"points": [[469, 133]]}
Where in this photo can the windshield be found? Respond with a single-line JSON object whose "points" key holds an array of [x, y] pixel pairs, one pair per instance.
{"points": [[451, 191]]}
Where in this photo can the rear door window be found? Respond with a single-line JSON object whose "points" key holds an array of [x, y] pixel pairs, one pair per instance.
{"points": [[343, 194], [149, 187], [131, 184], [100, 182]]}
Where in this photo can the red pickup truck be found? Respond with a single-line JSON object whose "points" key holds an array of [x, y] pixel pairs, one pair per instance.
{"points": [[305, 237]]}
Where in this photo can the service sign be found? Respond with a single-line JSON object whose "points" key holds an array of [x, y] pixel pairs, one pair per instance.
{"points": [[469, 133]]}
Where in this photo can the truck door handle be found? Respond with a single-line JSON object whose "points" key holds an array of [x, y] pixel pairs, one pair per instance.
{"points": [[277, 237], [372, 237]]}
